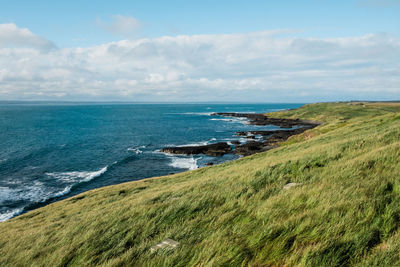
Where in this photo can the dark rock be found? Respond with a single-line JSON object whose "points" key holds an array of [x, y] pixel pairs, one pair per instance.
{"points": [[251, 148], [210, 163], [261, 119], [217, 149], [271, 138]]}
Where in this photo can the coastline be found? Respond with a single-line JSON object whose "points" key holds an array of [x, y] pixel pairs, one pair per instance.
{"points": [[266, 139], [330, 187], [181, 163]]}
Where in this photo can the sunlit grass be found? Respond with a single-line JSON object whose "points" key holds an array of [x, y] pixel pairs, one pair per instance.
{"points": [[344, 210]]}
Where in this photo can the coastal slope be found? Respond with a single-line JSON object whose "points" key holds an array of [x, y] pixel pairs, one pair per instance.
{"points": [[329, 196]]}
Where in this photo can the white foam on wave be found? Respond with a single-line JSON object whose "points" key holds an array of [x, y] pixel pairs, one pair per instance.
{"points": [[76, 176], [243, 140], [202, 143], [34, 192], [63, 192], [9, 214], [193, 113], [5, 194], [232, 119], [189, 163], [136, 150], [39, 192], [218, 119]]}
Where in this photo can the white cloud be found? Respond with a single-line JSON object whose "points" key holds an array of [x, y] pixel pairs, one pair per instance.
{"points": [[125, 26], [12, 36], [261, 66]]}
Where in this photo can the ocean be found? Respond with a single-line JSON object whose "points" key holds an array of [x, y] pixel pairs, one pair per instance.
{"points": [[51, 151]]}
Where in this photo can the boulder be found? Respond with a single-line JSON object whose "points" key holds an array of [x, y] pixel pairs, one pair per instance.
{"points": [[217, 149]]}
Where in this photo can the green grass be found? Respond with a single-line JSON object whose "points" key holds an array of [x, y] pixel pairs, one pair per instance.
{"points": [[345, 210]]}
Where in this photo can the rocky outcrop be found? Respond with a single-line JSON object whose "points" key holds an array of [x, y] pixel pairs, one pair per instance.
{"points": [[278, 134], [261, 119], [217, 149], [252, 147], [269, 138]]}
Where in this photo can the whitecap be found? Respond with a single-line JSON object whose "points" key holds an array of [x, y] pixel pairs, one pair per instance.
{"points": [[243, 140], [39, 192], [218, 119], [202, 143], [76, 176], [233, 120], [33, 192], [5, 194], [63, 192], [9, 214], [136, 150], [189, 163], [193, 113]]}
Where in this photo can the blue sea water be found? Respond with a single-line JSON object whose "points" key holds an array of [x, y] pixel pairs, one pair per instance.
{"points": [[50, 151]]}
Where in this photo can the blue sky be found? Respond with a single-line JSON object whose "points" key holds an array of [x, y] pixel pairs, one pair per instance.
{"points": [[73, 23], [249, 51]]}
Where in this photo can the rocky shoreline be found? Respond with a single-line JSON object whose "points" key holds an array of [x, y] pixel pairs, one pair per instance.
{"points": [[266, 141], [217, 149]]}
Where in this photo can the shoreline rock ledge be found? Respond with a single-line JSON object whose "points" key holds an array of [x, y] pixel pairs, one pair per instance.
{"points": [[261, 119], [217, 149], [269, 139]]}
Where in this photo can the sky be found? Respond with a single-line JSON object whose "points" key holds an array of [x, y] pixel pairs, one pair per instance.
{"points": [[200, 51]]}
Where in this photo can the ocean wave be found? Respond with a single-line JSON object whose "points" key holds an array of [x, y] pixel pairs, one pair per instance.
{"points": [[79, 177], [136, 150], [232, 119], [38, 192], [63, 192], [202, 143], [244, 140], [193, 113], [34, 192], [189, 163], [9, 214]]}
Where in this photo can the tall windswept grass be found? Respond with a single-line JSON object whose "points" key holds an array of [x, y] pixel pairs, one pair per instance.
{"points": [[343, 210]]}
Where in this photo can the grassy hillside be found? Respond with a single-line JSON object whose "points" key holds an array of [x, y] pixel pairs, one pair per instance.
{"points": [[345, 209]]}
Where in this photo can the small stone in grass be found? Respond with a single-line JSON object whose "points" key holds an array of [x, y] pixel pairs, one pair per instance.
{"points": [[167, 243], [290, 185]]}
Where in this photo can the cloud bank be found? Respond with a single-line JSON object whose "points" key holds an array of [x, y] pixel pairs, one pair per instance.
{"points": [[12, 36], [260, 66]]}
